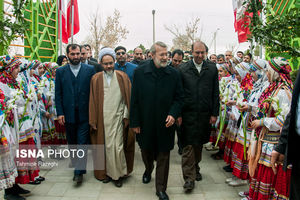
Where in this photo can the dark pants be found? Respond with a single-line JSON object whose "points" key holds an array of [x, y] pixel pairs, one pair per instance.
{"points": [[191, 157], [179, 135], [162, 168], [78, 138], [295, 182]]}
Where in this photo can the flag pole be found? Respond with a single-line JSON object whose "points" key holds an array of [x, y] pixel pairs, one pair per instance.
{"points": [[60, 27], [72, 15]]}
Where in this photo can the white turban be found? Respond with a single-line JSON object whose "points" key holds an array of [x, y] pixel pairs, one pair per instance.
{"points": [[107, 51]]}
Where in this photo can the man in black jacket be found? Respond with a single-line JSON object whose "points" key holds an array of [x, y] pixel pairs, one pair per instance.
{"points": [[84, 59], [156, 99], [200, 109], [288, 146]]}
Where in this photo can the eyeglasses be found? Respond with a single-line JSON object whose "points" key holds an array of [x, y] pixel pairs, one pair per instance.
{"points": [[108, 63], [120, 53]]}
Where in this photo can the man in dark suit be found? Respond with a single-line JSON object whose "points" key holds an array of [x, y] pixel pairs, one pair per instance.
{"points": [[201, 108], [84, 59], [288, 145], [90, 54], [72, 88], [156, 99]]}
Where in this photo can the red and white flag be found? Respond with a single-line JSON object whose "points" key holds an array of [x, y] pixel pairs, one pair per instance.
{"points": [[75, 17], [241, 20], [61, 11]]}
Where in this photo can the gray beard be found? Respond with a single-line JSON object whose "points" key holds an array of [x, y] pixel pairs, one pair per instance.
{"points": [[110, 72]]}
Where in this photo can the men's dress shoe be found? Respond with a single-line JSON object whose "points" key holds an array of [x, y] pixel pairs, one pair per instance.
{"points": [[188, 186], [40, 178], [78, 178], [119, 182], [162, 195], [13, 197], [36, 182], [198, 176], [146, 178], [106, 180]]}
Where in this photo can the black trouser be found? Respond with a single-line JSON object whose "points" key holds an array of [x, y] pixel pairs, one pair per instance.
{"points": [[162, 168], [179, 135], [295, 182], [191, 157], [78, 138]]}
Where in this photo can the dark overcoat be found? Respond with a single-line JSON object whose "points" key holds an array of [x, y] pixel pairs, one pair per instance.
{"points": [[153, 98], [201, 101]]}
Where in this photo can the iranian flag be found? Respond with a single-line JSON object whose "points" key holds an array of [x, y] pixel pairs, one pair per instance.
{"points": [[241, 20], [62, 22], [73, 3]]}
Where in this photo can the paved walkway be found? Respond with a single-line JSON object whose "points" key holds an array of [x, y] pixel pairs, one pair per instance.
{"points": [[59, 184]]}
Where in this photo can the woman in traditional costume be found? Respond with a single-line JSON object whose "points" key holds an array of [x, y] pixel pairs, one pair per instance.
{"points": [[20, 123], [273, 105]]}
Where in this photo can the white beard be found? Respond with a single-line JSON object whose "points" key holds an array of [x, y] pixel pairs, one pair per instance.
{"points": [[109, 72]]}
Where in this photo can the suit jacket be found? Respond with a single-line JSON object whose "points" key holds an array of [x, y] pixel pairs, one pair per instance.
{"points": [[97, 67], [65, 95], [290, 140]]}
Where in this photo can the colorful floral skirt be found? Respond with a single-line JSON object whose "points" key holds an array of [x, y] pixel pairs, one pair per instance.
{"points": [[53, 133], [61, 133], [8, 170], [27, 167], [239, 163], [262, 185], [282, 185]]}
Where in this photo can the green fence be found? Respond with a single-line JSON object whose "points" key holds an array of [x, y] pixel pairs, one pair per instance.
{"points": [[41, 37], [281, 7]]}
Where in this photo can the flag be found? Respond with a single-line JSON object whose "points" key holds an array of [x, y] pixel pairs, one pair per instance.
{"points": [[241, 20], [76, 17], [61, 11]]}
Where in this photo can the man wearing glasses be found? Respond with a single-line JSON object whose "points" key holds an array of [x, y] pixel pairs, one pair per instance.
{"points": [[121, 63]]}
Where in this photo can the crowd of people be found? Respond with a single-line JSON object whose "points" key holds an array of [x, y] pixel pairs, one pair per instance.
{"points": [[234, 105]]}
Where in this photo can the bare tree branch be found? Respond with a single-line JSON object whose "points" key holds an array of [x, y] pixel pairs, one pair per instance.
{"points": [[108, 35], [184, 40]]}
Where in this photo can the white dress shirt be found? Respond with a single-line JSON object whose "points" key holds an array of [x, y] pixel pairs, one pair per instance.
{"points": [[198, 66]]}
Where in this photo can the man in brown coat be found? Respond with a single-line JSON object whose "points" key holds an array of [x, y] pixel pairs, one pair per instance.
{"points": [[113, 141]]}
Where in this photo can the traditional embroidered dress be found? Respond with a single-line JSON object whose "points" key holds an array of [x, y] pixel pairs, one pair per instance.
{"points": [[277, 96], [232, 127], [50, 135], [240, 165], [60, 130], [35, 103], [227, 94], [8, 169], [15, 93]]}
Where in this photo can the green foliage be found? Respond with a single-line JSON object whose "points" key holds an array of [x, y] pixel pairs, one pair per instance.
{"points": [[278, 31], [11, 27], [142, 47]]}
